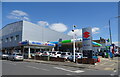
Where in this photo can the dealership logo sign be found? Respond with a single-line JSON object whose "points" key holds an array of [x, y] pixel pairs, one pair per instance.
{"points": [[86, 34]]}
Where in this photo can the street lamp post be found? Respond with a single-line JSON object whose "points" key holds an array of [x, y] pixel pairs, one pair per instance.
{"points": [[110, 29], [73, 43], [110, 33]]}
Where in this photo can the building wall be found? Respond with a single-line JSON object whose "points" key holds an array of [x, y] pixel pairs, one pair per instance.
{"points": [[12, 34], [27, 31], [0, 39], [35, 32]]}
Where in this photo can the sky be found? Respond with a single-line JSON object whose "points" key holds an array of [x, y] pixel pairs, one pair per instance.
{"points": [[61, 16]]}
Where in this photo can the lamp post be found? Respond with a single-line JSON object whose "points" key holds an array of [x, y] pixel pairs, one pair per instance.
{"points": [[73, 42], [110, 29]]}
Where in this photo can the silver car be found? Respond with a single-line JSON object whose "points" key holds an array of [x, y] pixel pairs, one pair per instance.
{"points": [[16, 56], [77, 56], [4, 56]]}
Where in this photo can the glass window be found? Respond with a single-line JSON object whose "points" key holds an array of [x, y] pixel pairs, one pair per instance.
{"points": [[11, 38], [63, 54], [6, 40], [17, 37], [68, 53], [1, 39], [59, 53]]}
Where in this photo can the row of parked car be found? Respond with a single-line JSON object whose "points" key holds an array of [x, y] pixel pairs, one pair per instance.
{"points": [[59, 54], [13, 56]]}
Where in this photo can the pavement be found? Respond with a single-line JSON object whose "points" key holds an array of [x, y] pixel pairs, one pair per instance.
{"points": [[105, 64]]}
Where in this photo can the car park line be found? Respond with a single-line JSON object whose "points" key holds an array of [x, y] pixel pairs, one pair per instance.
{"points": [[77, 71]]}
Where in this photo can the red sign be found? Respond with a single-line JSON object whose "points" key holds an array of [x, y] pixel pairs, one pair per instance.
{"points": [[86, 34]]}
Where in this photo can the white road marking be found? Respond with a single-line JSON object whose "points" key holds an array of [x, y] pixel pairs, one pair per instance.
{"points": [[33, 67], [38, 68], [112, 64], [112, 74], [44, 69], [115, 71], [68, 74], [11, 63], [77, 71], [103, 63]]}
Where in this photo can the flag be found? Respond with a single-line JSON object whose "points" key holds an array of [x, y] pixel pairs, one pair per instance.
{"points": [[108, 40]]}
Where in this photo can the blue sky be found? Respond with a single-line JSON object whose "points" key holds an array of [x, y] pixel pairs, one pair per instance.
{"points": [[56, 15]]}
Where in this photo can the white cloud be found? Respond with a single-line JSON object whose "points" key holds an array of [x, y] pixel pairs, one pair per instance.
{"points": [[42, 23], [60, 27], [95, 30], [78, 32], [17, 14]]}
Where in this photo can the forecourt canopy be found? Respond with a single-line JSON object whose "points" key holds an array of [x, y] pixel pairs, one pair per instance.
{"points": [[69, 41]]}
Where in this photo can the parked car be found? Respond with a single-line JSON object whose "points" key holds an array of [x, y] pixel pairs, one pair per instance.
{"points": [[39, 53], [56, 54], [4, 56], [65, 55], [16, 56], [77, 56], [46, 53]]}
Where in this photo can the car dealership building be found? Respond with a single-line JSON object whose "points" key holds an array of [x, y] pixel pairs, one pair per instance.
{"points": [[25, 36]]}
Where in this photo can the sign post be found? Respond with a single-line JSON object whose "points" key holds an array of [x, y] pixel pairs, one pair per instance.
{"points": [[87, 42]]}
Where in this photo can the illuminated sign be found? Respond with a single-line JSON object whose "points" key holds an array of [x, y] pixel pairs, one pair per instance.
{"points": [[35, 43]]}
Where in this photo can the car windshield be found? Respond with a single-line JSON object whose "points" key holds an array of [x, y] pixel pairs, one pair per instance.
{"points": [[50, 52], [68, 53], [53, 52], [40, 51], [58, 52], [19, 54], [63, 54]]}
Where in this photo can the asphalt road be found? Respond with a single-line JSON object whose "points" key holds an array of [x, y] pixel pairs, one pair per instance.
{"points": [[31, 68]]}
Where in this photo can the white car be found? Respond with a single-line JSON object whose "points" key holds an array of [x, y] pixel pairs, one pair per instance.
{"points": [[56, 54], [65, 55], [16, 56], [46, 53], [39, 53], [77, 56]]}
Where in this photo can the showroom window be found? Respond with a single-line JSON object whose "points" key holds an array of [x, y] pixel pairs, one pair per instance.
{"points": [[11, 38], [17, 37], [6, 40]]}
